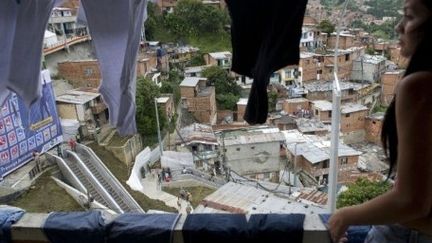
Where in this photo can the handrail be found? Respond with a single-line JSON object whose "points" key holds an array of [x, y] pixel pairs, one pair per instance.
{"points": [[102, 168], [77, 183], [96, 183]]}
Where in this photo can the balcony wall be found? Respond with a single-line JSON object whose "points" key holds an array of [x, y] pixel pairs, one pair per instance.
{"points": [[29, 229]]}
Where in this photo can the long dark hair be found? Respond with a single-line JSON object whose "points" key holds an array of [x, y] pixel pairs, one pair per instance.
{"points": [[419, 62]]}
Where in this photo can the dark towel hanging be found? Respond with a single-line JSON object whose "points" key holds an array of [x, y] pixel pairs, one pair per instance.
{"points": [[265, 38]]}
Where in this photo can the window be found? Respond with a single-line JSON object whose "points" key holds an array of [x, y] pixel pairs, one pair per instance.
{"points": [[347, 57], [316, 112], [253, 147], [88, 72], [348, 115], [325, 164], [319, 71], [329, 113], [238, 149], [344, 161]]}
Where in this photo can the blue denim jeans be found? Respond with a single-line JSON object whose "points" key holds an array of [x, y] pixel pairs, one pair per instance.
{"points": [[395, 234]]}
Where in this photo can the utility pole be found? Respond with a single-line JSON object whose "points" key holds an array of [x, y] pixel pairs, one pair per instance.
{"points": [[158, 127], [334, 148]]}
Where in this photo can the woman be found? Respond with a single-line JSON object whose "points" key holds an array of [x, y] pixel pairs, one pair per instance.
{"points": [[407, 140]]}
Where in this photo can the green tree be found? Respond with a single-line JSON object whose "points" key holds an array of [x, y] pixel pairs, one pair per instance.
{"points": [[227, 91], [171, 85], [227, 101], [197, 60], [326, 26], [146, 92], [154, 21], [221, 80], [192, 17], [384, 8], [361, 191], [272, 99]]}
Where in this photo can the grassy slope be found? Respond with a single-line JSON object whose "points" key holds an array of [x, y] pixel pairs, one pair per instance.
{"points": [[198, 193], [46, 196]]}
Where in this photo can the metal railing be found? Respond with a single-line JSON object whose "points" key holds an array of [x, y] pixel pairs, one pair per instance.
{"points": [[110, 182]]}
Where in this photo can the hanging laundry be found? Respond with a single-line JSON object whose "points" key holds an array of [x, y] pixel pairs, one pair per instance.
{"points": [[22, 29], [115, 27], [265, 38]]}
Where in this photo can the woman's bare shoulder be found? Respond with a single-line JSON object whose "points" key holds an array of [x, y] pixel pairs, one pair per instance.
{"points": [[416, 85]]}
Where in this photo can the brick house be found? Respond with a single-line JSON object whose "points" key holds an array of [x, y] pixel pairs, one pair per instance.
{"points": [[312, 127], [86, 106], [322, 110], [146, 64], [373, 125], [241, 108], [397, 58], [346, 41], [312, 157], [83, 73], [345, 60], [166, 103], [283, 122], [323, 90], [199, 98], [389, 80], [220, 59], [308, 67], [293, 106], [368, 68], [166, 6], [86, 73], [353, 117], [253, 152]]}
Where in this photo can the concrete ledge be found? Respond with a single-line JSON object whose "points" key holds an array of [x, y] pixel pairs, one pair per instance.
{"points": [[29, 229]]}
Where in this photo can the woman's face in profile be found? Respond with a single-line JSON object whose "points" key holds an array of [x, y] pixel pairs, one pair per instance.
{"points": [[410, 26]]}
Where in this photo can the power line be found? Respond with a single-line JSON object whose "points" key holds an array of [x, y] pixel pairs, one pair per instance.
{"points": [[241, 176]]}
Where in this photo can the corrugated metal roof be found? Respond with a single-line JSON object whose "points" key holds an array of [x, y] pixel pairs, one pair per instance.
{"points": [[221, 55], [191, 81], [163, 99], [311, 125], [296, 100], [352, 107], [371, 59], [77, 97], [234, 197], [377, 116], [328, 86], [306, 54], [197, 133], [254, 138], [195, 69], [242, 101], [323, 105], [316, 150]]}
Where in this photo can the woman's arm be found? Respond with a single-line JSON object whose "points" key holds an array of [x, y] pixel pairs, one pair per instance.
{"points": [[411, 198]]}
